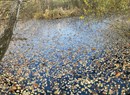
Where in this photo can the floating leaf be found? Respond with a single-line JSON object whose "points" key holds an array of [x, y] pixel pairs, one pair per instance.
{"points": [[13, 89], [35, 85], [118, 74], [57, 92], [19, 71], [93, 49], [117, 65]]}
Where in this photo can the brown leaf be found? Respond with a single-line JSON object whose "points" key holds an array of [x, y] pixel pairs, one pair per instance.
{"points": [[98, 63], [93, 49], [13, 88], [118, 74], [35, 85], [117, 65], [19, 71]]}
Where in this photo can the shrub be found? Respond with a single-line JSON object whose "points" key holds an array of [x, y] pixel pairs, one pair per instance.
{"points": [[38, 15], [60, 12]]}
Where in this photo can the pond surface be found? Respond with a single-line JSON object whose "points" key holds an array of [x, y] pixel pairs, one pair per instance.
{"points": [[65, 57]]}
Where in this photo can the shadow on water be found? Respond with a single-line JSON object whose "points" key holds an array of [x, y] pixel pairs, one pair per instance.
{"points": [[4, 41], [6, 36]]}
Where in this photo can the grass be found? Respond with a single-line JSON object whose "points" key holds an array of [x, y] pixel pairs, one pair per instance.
{"points": [[57, 13]]}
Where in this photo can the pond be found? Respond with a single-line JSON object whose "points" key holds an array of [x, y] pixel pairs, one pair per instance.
{"points": [[65, 57]]}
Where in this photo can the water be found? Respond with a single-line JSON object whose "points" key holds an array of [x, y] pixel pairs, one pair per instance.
{"points": [[58, 52], [58, 35]]}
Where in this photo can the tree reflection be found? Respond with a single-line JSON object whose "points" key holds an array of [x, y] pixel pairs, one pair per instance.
{"points": [[6, 36]]}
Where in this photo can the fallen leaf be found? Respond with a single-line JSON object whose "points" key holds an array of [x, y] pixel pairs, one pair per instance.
{"points": [[117, 65], [19, 71], [35, 85], [57, 92], [13, 88], [118, 74], [93, 49]]}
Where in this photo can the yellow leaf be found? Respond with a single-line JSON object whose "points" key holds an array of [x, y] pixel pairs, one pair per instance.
{"points": [[81, 17], [93, 49]]}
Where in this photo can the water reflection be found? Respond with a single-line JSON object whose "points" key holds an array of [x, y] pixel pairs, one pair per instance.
{"points": [[46, 37], [4, 41], [6, 36]]}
